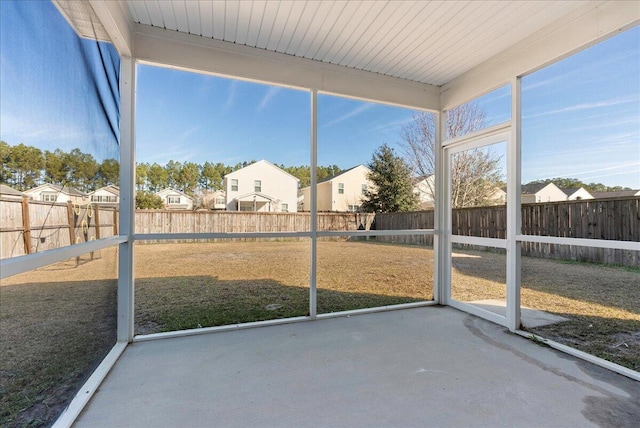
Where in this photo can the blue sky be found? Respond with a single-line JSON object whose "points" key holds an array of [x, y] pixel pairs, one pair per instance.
{"points": [[581, 116], [46, 74]]}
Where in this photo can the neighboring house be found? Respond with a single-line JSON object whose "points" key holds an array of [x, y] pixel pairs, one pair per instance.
{"points": [[499, 196], [424, 187], [533, 193], [107, 195], [261, 187], [10, 193], [576, 194], [618, 194], [341, 193], [175, 200], [54, 193], [214, 200]]}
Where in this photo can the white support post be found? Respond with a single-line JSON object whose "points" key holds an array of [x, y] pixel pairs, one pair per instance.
{"points": [[314, 205], [514, 212], [127, 199], [441, 243], [437, 242]]}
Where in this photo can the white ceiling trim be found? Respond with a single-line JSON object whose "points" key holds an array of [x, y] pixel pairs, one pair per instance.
{"points": [[116, 23], [195, 53], [584, 27], [426, 41]]}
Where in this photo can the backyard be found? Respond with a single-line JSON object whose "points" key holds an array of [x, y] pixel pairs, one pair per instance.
{"points": [[58, 322]]}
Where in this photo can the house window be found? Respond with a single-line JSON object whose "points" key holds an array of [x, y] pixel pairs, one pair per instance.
{"points": [[341, 188], [354, 208], [257, 186], [234, 184], [173, 200], [219, 201], [364, 189], [284, 208], [106, 198], [48, 197]]}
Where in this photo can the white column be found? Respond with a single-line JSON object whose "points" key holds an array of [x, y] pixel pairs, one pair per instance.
{"points": [[127, 199], [314, 205], [514, 212], [441, 247]]}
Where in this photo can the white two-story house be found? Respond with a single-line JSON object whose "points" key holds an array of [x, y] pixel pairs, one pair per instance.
{"points": [[261, 187], [342, 192]]}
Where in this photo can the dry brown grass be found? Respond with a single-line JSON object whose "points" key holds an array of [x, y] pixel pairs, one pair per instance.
{"points": [[57, 322], [230, 282]]}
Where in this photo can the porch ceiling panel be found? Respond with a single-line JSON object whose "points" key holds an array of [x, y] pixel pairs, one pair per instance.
{"points": [[425, 41]]}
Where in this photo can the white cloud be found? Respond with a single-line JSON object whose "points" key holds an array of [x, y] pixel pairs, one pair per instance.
{"points": [[231, 96], [356, 111], [188, 132], [271, 92], [586, 106]]}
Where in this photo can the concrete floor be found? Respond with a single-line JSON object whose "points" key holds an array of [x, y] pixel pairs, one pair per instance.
{"points": [[432, 366]]}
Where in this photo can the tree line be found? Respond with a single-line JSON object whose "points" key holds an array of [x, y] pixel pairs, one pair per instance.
{"points": [[25, 167]]}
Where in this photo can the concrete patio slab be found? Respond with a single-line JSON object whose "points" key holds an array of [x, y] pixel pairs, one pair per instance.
{"points": [[432, 366], [530, 318]]}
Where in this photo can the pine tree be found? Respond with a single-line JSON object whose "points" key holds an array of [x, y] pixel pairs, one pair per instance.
{"points": [[393, 183]]}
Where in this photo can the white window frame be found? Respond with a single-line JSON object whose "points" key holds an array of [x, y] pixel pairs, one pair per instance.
{"points": [[48, 197], [341, 188], [234, 184]]}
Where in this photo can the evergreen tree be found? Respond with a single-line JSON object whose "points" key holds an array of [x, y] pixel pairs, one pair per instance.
{"points": [[393, 184], [145, 201]]}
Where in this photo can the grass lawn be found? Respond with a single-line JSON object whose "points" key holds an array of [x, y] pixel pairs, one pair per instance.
{"points": [[56, 323]]}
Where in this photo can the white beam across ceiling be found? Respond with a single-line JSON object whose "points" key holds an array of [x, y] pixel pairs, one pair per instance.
{"points": [[116, 23], [195, 53], [579, 29]]}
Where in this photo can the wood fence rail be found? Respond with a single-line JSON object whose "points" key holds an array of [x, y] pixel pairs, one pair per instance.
{"points": [[30, 226], [167, 221], [608, 219]]}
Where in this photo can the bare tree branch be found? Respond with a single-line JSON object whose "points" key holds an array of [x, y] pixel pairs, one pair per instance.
{"points": [[475, 174]]}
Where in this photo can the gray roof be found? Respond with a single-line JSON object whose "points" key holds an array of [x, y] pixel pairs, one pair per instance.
{"points": [[618, 194], [570, 190], [338, 175], [6, 190], [530, 189]]}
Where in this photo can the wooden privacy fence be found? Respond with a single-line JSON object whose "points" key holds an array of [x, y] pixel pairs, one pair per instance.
{"points": [[29, 226], [606, 219], [167, 221]]}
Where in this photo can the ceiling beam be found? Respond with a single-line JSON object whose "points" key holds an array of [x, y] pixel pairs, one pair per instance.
{"points": [[196, 53], [577, 30], [117, 23]]}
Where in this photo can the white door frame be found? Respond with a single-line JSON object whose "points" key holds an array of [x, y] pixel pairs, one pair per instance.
{"points": [[496, 134]]}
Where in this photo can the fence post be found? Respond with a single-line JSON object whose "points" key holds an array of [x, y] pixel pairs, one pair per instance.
{"points": [[115, 222], [26, 226], [96, 213], [72, 223]]}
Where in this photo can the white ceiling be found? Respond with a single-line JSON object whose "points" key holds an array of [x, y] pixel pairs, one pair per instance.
{"points": [[425, 41]]}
